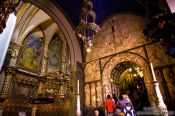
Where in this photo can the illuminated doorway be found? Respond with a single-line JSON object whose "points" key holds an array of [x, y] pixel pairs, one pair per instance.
{"points": [[127, 77]]}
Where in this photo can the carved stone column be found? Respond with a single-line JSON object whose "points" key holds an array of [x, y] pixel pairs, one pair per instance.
{"points": [[72, 93], [64, 59], [7, 85], [44, 63]]}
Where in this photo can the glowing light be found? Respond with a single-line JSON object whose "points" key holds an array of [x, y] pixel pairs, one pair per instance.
{"points": [[88, 49]]}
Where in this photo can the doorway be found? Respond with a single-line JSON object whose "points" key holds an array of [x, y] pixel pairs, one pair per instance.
{"points": [[127, 77]]}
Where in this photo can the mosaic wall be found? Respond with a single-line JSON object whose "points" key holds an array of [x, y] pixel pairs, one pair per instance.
{"points": [[93, 73], [115, 37], [123, 34], [158, 56], [93, 95]]}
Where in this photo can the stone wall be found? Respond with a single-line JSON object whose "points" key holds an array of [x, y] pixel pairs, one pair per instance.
{"points": [[121, 39]]}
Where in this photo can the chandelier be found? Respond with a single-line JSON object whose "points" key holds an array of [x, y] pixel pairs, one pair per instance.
{"points": [[87, 27], [6, 7]]}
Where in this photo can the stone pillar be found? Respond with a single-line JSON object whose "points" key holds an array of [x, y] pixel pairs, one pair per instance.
{"points": [[73, 71], [64, 59], [44, 63], [7, 85]]}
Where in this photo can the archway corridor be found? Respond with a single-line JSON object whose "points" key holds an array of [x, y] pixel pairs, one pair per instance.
{"points": [[127, 77]]}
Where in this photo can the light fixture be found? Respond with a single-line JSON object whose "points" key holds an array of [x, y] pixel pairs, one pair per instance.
{"points": [[6, 8], [136, 71], [88, 49], [87, 27]]}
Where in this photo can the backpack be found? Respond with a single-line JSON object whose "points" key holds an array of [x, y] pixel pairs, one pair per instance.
{"points": [[130, 111]]}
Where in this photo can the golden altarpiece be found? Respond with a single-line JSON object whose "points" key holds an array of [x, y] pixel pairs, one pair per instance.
{"points": [[37, 77]]}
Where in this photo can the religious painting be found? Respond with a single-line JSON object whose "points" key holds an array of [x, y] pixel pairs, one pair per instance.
{"points": [[30, 53], [54, 47]]}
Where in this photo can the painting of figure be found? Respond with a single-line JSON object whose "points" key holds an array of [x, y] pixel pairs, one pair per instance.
{"points": [[54, 52], [30, 57]]}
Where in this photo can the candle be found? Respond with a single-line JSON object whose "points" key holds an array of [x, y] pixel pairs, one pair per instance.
{"points": [[152, 70], [78, 87]]}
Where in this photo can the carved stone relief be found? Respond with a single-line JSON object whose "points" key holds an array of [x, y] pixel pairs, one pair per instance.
{"points": [[87, 95], [93, 73], [99, 94], [93, 96]]}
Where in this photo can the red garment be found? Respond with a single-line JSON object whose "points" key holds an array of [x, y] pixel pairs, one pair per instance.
{"points": [[109, 105]]}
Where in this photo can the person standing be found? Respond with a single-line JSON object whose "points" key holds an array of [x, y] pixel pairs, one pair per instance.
{"points": [[115, 99], [96, 113], [129, 110], [109, 106]]}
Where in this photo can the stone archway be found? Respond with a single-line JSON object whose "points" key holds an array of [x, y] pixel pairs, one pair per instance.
{"points": [[127, 77], [53, 10], [140, 61]]}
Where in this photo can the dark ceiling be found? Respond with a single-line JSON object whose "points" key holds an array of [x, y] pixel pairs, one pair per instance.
{"points": [[102, 8]]}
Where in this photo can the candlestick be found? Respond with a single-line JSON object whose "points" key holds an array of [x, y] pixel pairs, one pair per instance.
{"points": [[78, 99], [78, 106], [161, 103], [152, 70]]}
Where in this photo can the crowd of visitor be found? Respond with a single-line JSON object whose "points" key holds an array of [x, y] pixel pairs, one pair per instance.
{"points": [[118, 106]]}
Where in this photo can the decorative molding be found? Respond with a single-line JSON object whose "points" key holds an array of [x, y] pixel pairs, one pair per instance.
{"points": [[22, 11], [27, 20]]}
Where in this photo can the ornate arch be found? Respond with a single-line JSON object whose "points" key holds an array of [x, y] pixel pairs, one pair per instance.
{"points": [[55, 13], [128, 56]]}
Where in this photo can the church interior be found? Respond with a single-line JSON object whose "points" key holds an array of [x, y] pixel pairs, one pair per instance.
{"points": [[62, 58]]}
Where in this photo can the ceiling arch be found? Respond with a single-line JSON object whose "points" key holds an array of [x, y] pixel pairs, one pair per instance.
{"points": [[59, 18]]}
